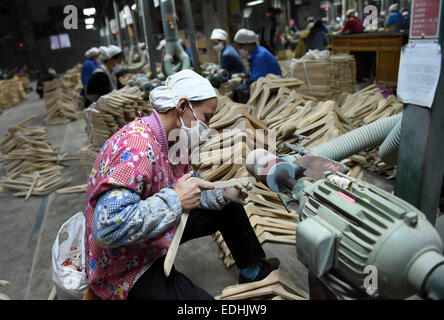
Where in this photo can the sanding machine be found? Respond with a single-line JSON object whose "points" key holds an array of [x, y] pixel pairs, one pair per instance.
{"points": [[358, 241]]}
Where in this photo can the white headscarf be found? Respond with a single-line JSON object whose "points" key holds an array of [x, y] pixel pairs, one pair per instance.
{"points": [[184, 84], [394, 7], [91, 53], [104, 53], [114, 50], [245, 36], [219, 34]]}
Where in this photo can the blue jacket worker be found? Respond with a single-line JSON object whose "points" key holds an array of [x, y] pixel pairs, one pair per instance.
{"points": [[229, 57]]}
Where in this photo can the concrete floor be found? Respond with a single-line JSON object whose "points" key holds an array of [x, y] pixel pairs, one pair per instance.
{"points": [[28, 228]]}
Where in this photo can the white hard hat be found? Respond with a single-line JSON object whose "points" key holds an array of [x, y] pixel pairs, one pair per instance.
{"points": [[219, 34], [161, 45], [245, 36], [91, 53]]}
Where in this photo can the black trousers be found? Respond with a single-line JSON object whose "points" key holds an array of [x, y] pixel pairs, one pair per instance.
{"points": [[232, 221]]}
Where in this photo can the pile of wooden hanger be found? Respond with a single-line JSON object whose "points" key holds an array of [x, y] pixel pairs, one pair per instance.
{"points": [[61, 101], [113, 111], [278, 285], [62, 97], [11, 93], [368, 105], [325, 79], [33, 166]]}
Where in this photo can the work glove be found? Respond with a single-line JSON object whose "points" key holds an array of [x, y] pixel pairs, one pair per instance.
{"points": [[238, 193]]}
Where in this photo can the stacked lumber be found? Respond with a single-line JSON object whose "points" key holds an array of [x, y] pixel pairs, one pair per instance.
{"points": [[33, 166], [113, 111], [278, 285], [325, 79], [11, 93]]}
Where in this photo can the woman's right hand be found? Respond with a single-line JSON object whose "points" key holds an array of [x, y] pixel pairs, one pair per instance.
{"points": [[189, 192]]}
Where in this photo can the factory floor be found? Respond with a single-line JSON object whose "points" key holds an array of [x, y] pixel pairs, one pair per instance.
{"points": [[28, 228]]}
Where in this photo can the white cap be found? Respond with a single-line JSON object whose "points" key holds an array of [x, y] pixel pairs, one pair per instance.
{"points": [[394, 7], [184, 84], [52, 71], [114, 50], [161, 45], [310, 25], [91, 53], [219, 34], [245, 36], [104, 53]]}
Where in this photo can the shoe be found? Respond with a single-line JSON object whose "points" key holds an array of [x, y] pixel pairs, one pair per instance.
{"points": [[266, 266]]}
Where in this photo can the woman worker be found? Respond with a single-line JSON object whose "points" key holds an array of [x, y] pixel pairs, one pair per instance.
{"points": [[104, 79], [229, 58], [137, 193], [262, 61]]}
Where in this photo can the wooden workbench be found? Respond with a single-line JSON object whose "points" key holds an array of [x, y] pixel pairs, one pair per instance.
{"points": [[385, 46]]}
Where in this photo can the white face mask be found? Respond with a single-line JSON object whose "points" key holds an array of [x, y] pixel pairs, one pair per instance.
{"points": [[219, 47], [196, 132], [243, 52], [117, 68]]}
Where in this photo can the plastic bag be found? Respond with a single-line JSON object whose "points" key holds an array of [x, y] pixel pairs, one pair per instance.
{"points": [[68, 259]]}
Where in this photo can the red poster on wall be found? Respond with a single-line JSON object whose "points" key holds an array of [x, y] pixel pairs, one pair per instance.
{"points": [[425, 18]]}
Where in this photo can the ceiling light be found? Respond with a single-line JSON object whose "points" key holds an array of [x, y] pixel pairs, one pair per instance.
{"points": [[89, 26], [89, 11], [253, 3], [89, 21]]}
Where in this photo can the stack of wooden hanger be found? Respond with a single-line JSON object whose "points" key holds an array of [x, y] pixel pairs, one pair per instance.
{"points": [[62, 97], [325, 79], [61, 101], [368, 105], [278, 285], [11, 93], [113, 111], [266, 93], [33, 166]]}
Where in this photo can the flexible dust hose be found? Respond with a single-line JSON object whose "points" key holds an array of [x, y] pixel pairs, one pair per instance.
{"points": [[354, 141], [388, 152]]}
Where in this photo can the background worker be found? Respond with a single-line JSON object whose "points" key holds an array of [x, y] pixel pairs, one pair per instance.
{"points": [[90, 65], [316, 38], [137, 193], [49, 76], [395, 21], [228, 56], [353, 24], [104, 79], [261, 61]]}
